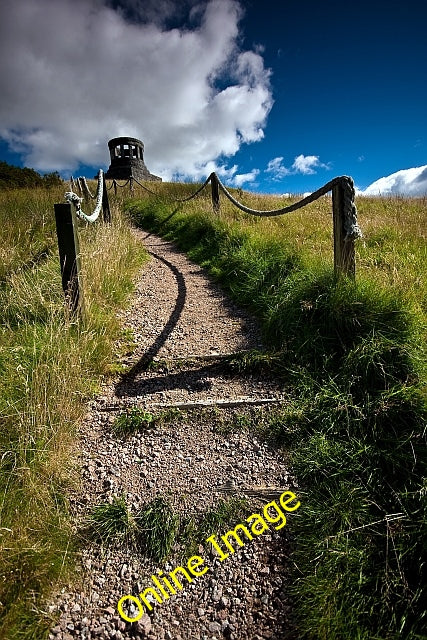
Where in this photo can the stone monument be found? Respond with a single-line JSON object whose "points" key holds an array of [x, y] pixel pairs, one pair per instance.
{"points": [[127, 160]]}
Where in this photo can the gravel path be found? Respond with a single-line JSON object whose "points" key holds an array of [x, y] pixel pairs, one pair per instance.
{"points": [[183, 321]]}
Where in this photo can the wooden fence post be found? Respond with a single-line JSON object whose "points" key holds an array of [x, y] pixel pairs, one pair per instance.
{"points": [[115, 187], [344, 254], [215, 193], [69, 257], [105, 203], [131, 189]]}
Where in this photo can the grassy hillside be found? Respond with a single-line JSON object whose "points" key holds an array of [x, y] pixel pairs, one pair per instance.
{"points": [[352, 357], [49, 367]]}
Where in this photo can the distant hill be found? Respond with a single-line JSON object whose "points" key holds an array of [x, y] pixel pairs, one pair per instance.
{"points": [[15, 177]]}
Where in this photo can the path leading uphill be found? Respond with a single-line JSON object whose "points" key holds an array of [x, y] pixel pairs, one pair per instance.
{"points": [[183, 325]]}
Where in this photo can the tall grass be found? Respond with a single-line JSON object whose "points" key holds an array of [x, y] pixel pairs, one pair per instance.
{"points": [[27, 232], [352, 355], [49, 367]]}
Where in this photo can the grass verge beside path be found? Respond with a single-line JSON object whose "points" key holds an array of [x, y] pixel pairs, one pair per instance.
{"points": [[49, 367], [353, 355]]}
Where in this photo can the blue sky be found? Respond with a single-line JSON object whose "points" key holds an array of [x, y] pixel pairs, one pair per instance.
{"points": [[276, 96], [349, 84]]}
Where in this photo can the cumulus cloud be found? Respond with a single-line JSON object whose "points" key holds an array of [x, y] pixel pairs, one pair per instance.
{"points": [[78, 72], [277, 169], [409, 182], [306, 165], [243, 178]]}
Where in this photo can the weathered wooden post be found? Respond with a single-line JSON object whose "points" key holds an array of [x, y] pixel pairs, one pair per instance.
{"points": [[115, 187], [131, 189], [69, 257], [215, 193], [344, 254], [105, 203]]}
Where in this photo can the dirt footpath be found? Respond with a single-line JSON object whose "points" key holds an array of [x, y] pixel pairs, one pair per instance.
{"points": [[183, 325]]}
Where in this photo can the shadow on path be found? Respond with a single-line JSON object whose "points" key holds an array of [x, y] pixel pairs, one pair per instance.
{"points": [[142, 364], [190, 379]]}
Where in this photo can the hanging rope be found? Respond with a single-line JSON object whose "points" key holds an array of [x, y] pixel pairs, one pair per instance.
{"points": [[351, 227], [144, 187], [346, 228], [154, 193], [74, 199], [122, 185], [196, 193], [350, 220], [177, 199], [85, 187]]}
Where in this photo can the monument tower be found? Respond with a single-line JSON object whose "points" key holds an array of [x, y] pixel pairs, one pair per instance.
{"points": [[127, 160]]}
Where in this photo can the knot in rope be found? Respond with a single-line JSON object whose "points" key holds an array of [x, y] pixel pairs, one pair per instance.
{"points": [[351, 227], [73, 198]]}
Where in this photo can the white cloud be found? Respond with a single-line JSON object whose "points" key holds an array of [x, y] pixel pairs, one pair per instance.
{"points": [[277, 168], [409, 182], [302, 164], [242, 178], [201, 172], [76, 73], [307, 164]]}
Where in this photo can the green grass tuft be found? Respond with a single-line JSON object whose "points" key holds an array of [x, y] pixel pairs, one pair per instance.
{"points": [[109, 521], [134, 419], [224, 512], [157, 528]]}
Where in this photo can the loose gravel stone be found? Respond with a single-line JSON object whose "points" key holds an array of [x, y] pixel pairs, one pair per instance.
{"points": [[180, 318]]}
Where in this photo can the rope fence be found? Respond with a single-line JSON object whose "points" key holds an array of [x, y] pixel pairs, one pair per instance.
{"points": [[345, 226], [68, 238], [101, 199]]}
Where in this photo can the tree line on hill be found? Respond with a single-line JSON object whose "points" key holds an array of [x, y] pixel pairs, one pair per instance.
{"points": [[12, 177]]}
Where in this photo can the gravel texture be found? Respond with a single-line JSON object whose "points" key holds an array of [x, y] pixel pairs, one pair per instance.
{"points": [[183, 321]]}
